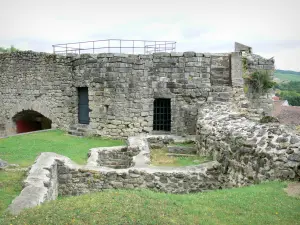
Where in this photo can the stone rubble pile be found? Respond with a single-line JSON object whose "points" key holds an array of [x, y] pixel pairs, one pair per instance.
{"points": [[249, 151]]}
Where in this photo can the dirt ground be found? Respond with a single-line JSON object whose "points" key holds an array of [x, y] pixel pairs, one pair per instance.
{"points": [[293, 189]]}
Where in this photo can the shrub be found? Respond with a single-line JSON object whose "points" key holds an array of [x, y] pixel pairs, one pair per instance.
{"points": [[259, 82]]}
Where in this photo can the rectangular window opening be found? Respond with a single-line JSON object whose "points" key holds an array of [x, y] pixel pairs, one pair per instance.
{"points": [[162, 114]]}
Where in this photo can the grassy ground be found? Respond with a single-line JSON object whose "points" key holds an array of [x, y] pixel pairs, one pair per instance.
{"points": [[159, 157], [24, 149], [260, 204], [10, 187], [287, 77]]}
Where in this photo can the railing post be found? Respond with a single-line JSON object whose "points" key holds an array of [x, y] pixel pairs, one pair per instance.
{"points": [[132, 46], [93, 47], [66, 49], [108, 45], [120, 45], [79, 48]]}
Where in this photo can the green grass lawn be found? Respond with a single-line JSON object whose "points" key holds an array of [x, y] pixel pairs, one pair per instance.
{"points": [[10, 187], [287, 77], [260, 204], [24, 149]]}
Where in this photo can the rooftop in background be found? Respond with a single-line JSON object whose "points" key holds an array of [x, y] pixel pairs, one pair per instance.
{"points": [[115, 46]]}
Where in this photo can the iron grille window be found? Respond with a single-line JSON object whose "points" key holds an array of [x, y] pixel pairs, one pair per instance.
{"points": [[162, 114]]}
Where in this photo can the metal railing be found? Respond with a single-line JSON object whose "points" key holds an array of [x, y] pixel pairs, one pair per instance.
{"points": [[115, 46]]}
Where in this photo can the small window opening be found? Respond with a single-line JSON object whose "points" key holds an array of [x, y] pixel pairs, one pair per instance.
{"points": [[162, 114]]}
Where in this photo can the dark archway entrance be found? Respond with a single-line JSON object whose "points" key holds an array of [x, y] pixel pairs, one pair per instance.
{"points": [[29, 120]]}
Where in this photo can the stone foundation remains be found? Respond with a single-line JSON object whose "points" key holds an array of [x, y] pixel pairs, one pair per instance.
{"points": [[53, 174], [244, 152]]}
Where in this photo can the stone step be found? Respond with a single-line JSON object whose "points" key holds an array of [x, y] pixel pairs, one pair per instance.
{"points": [[82, 126], [79, 126], [82, 129], [222, 94], [216, 88], [75, 133], [221, 99]]}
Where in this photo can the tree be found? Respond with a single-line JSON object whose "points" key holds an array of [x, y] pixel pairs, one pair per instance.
{"points": [[10, 49]]}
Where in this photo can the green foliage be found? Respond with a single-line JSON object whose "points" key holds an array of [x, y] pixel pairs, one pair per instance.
{"points": [[265, 203], [259, 82], [289, 86], [10, 187], [7, 50], [244, 62], [288, 72], [269, 119], [287, 75], [24, 149], [289, 91]]}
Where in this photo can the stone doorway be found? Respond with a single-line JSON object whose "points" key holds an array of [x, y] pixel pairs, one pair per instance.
{"points": [[30, 120], [83, 105]]}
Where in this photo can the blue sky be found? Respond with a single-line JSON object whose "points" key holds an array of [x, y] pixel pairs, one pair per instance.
{"points": [[270, 27]]}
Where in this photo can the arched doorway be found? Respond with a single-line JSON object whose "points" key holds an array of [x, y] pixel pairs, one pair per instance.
{"points": [[30, 120]]}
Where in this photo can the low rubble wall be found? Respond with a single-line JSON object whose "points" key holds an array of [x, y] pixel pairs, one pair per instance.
{"points": [[53, 175], [248, 151]]}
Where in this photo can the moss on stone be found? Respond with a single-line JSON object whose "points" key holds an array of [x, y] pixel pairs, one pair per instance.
{"points": [[269, 119]]}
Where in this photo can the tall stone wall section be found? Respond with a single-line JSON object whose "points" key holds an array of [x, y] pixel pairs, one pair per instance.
{"points": [[35, 81], [122, 88], [244, 62]]}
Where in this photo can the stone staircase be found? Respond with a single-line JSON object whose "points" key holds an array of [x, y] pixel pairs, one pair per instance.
{"points": [[79, 129]]}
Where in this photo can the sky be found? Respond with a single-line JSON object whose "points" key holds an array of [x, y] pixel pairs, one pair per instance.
{"points": [[270, 27]]}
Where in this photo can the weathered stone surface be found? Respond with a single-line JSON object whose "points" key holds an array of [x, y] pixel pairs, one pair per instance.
{"points": [[3, 163], [248, 151], [122, 89]]}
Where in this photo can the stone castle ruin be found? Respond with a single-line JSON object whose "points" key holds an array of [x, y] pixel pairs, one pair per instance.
{"points": [[149, 99], [121, 95]]}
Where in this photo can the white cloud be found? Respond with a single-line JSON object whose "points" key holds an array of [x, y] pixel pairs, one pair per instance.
{"points": [[196, 25]]}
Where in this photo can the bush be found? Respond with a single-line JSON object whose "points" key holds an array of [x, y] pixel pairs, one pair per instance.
{"points": [[259, 82], [7, 50]]}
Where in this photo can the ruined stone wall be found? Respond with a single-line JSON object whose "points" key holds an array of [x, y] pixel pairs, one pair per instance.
{"points": [[36, 81], [53, 175], [122, 88], [243, 63], [117, 158], [252, 63], [248, 151], [80, 181]]}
